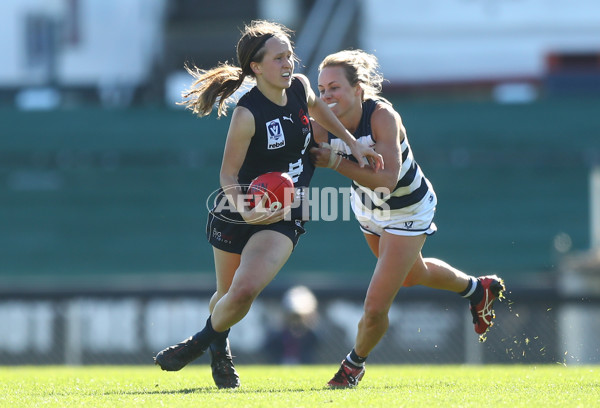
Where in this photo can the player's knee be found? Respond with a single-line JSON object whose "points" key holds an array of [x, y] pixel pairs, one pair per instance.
{"points": [[375, 313], [417, 275], [411, 280], [243, 295]]}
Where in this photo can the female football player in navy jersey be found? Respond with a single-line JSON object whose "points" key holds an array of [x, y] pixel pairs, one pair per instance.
{"points": [[270, 131], [394, 207]]}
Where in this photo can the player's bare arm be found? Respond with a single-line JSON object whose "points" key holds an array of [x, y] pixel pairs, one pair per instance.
{"points": [[387, 132]]}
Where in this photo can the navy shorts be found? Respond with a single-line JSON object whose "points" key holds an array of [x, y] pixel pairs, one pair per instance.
{"points": [[232, 236]]}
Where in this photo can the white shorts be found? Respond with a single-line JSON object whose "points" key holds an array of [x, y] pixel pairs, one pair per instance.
{"points": [[416, 219]]}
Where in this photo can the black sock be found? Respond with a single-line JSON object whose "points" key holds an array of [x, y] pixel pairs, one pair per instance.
{"points": [[220, 344], [206, 336], [477, 294], [355, 360]]}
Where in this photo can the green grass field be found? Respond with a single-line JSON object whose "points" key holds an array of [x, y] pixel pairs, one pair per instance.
{"points": [[302, 386]]}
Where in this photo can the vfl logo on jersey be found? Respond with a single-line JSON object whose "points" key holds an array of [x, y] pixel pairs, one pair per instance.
{"points": [[275, 136]]}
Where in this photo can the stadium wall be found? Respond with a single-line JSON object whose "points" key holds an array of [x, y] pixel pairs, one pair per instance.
{"points": [[426, 327], [92, 193]]}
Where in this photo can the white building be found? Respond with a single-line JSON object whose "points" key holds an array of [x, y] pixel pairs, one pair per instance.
{"points": [[114, 45]]}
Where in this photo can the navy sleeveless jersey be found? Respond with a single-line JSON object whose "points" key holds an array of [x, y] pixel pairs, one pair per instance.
{"points": [[282, 139]]}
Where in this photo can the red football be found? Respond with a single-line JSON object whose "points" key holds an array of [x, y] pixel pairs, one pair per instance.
{"points": [[278, 186]]}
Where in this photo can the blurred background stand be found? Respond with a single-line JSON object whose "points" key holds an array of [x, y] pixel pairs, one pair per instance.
{"points": [[104, 186], [293, 336], [579, 283]]}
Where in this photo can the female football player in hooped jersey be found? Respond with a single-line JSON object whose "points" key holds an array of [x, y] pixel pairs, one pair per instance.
{"points": [[269, 132], [394, 207]]}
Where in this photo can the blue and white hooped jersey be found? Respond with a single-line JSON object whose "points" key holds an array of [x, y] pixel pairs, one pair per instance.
{"points": [[412, 186]]}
